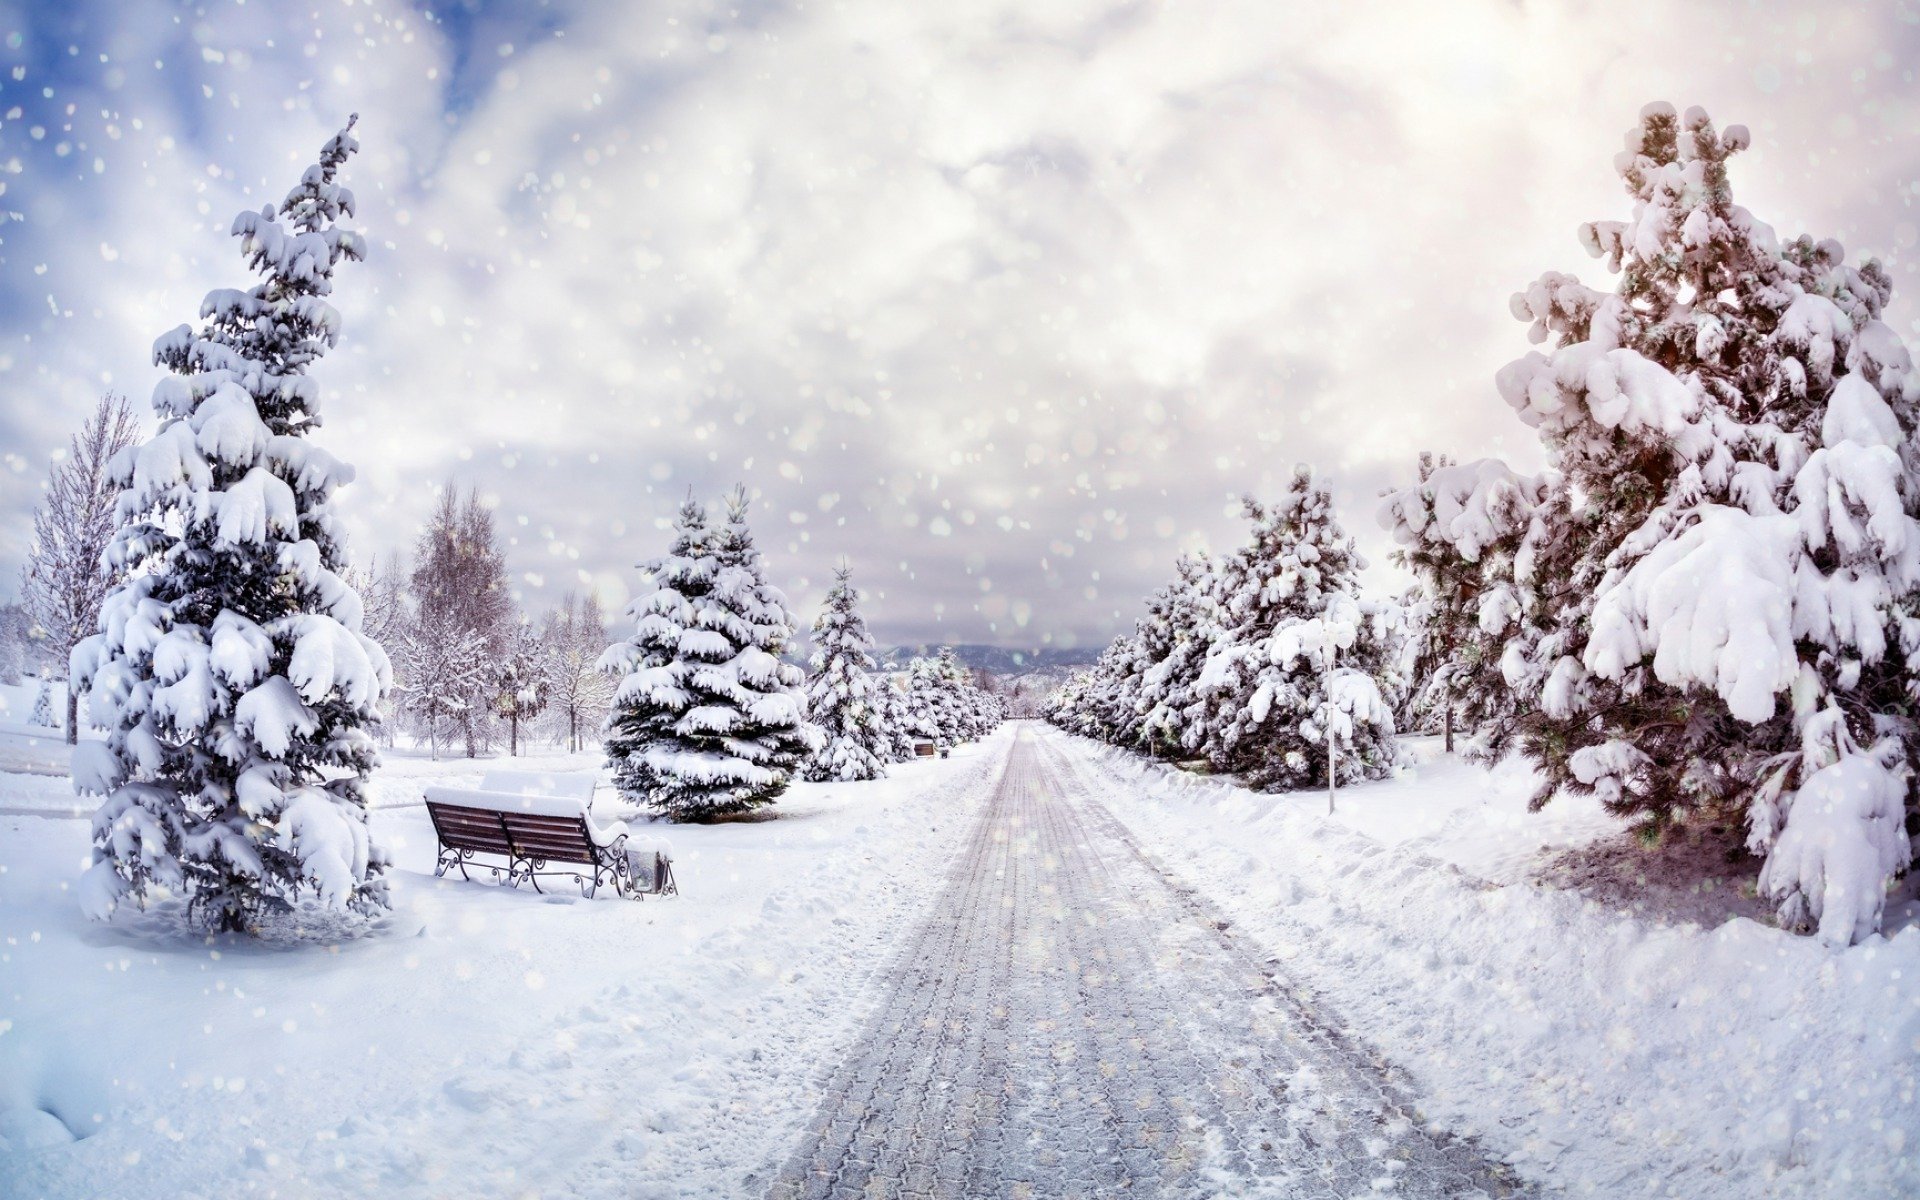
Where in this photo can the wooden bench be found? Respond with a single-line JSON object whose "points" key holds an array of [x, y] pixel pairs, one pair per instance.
{"points": [[533, 819]]}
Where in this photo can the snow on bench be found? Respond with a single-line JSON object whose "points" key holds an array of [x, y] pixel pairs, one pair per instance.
{"points": [[532, 818]]}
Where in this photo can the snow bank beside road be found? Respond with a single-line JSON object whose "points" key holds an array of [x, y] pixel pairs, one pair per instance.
{"points": [[1605, 1055]]}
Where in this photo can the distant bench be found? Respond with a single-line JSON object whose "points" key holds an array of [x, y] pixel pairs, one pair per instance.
{"points": [[536, 818]]}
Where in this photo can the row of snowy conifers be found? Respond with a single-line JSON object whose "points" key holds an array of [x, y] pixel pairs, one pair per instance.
{"points": [[1708, 603], [238, 685], [708, 719]]}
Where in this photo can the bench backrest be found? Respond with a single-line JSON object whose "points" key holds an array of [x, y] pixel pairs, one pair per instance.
{"points": [[561, 838], [570, 785]]}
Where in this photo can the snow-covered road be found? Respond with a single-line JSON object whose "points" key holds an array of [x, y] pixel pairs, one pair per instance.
{"points": [[1069, 1021]]}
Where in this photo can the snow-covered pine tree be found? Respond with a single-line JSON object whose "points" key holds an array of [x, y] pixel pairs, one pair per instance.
{"points": [[843, 699], [1714, 603], [772, 730], [963, 699], [230, 671], [931, 712], [1103, 705], [896, 718], [643, 742], [1302, 653], [1173, 647], [707, 720], [1461, 529]]}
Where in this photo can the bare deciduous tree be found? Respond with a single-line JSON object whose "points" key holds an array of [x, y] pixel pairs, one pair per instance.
{"points": [[576, 634], [460, 597], [66, 578]]}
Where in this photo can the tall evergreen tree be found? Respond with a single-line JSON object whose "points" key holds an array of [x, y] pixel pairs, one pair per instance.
{"points": [[1302, 658], [896, 718], [1461, 529], [230, 669], [1173, 649], [707, 720], [1714, 603], [843, 699]]}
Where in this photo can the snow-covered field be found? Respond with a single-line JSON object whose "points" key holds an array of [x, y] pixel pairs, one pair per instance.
{"points": [[481, 1042], [1608, 1053]]}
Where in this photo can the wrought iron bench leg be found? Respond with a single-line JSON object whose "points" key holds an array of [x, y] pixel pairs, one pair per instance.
{"points": [[450, 857]]}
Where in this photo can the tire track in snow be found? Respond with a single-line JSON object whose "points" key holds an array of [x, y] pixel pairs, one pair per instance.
{"points": [[1073, 1021]]}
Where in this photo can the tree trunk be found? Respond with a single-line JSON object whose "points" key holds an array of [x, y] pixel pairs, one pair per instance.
{"points": [[573, 728], [513, 735], [1448, 725], [73, 714]]}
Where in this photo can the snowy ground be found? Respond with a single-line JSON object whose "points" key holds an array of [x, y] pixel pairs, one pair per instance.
{"points": [[483, 1042], [1609, 1053], [486, 1042]]}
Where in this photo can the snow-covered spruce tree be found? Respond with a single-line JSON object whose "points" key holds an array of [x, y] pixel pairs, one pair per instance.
{"points": [[230, 670], [1461, 528], [1173, 645], [896, 718], [1104, 709], [1301, 653], [1713, 605], [707, 720], [969, 718], [843, 699], [932, 709]]}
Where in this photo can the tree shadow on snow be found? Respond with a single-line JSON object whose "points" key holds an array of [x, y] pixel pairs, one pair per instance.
{"points": [[1697, 873], [164, 926]]}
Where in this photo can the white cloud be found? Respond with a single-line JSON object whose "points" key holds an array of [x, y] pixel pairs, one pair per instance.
{"points": [[1056, 279]]}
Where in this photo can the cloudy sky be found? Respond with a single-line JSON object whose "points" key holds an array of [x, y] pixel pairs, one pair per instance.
{"points": [[1005, 303]]}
